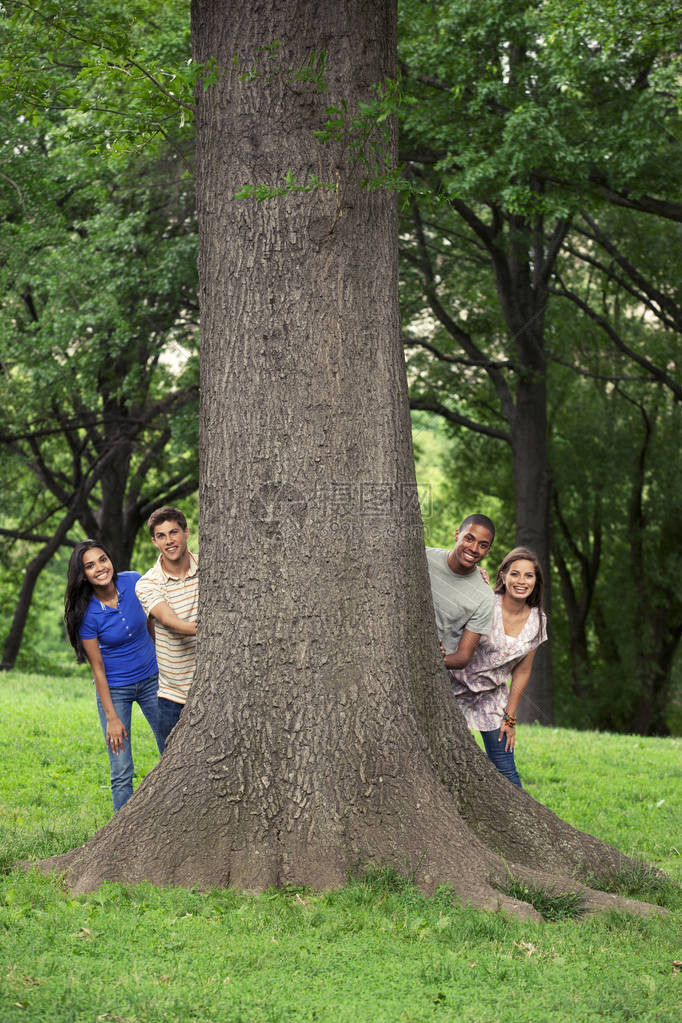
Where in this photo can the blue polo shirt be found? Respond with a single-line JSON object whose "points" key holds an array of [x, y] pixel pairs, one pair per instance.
{"points": [[127, 648]]}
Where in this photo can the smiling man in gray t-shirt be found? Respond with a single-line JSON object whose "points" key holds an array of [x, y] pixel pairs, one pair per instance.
{"points": [[463, 602]]}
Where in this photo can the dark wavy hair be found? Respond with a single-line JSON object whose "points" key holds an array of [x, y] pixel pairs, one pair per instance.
{"points": [[78, 593], [536, 599]]}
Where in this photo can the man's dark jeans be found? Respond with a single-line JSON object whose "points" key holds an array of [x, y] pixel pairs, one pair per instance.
{"points": [[169, 715]]}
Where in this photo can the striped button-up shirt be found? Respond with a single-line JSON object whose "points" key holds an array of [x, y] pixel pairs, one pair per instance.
{"points": [[176, 654]]}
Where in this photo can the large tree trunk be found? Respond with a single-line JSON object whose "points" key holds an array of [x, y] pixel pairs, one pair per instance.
{"points": [[319, 731]]}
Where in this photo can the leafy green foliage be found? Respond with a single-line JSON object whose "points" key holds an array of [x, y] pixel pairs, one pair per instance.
{"points": [[128, 65], [288, 187], [98, 332], [617, 542], [523, 102], [271, 65], [98, 323], [362, 141]]}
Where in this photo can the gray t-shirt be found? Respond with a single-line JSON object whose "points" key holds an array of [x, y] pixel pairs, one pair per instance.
{"points": [[460, 601]]}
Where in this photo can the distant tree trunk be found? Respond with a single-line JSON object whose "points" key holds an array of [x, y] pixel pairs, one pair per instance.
{"points": [[320, 731], [578, 602], [656, 624], [115, 521], [31, 574], [531, 496], [522, 275], [655, 679], [639, 636], [110, 523]]}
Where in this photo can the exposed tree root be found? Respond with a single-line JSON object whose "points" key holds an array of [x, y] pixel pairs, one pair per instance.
{"points": [[592, 900], [428, 842]]}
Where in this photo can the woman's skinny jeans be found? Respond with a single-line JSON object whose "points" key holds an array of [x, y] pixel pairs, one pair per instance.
{"points": [[121, 764], [503, 760]]}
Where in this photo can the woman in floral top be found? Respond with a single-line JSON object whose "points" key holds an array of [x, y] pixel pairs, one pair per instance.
{"points": [[519, 627]]}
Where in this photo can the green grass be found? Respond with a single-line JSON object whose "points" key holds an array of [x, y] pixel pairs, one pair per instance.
{"points": [[624, 788], [641, 881], [376, 950], [551, 904]]}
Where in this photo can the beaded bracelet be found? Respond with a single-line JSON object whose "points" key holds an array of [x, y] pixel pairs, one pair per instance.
{"points": [[509, 719]]}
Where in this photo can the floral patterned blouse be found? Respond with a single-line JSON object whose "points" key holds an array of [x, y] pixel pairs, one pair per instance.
{"points": [[481, 687]]}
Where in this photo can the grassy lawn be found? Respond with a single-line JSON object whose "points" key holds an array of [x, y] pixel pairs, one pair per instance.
{"points": [[375, 950]]}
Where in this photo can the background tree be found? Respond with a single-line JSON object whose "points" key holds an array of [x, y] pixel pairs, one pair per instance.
{"points": [[511, 125], [98, 324], [617, 550]]}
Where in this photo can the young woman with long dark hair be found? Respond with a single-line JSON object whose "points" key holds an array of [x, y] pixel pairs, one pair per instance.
{"points": [[519, 627], [105, 623]]}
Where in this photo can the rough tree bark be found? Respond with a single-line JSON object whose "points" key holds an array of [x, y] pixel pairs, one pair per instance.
{"points": [[319, 732]]}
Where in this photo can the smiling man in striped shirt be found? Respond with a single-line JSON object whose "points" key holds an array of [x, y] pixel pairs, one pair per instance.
{"points": [[169, 594]]}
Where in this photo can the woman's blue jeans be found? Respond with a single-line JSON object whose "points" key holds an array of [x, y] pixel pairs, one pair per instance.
{"points": [[503, 760], [121, 764]]}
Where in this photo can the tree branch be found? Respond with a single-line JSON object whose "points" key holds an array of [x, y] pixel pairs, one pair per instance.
{"points": [[455, 331], [646, 293], [431, 405], [482, 363], [14, 534], [664, 208], [655, 371]]}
